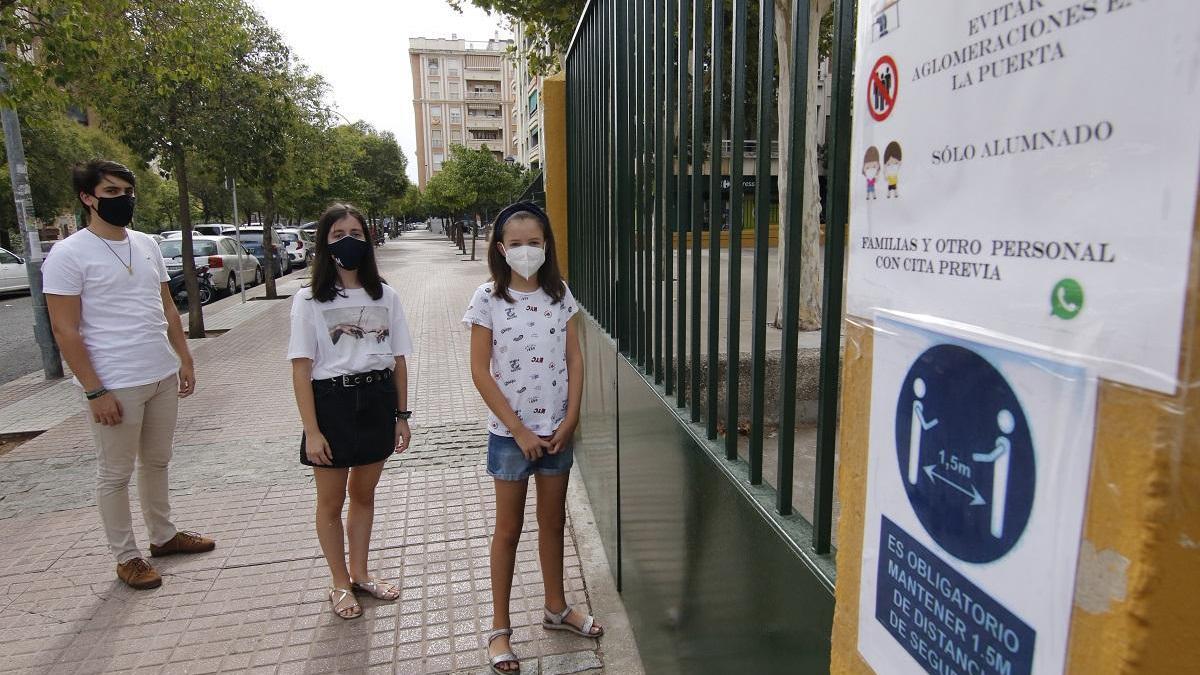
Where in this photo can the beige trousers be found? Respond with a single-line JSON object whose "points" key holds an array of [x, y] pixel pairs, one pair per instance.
{"points": [[144, 435]]}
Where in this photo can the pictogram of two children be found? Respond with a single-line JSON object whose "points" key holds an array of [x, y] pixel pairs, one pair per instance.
{"points": [[891, 168]]}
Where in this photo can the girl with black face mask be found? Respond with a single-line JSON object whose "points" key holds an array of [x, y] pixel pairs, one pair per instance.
{"points": [[348, 346]]}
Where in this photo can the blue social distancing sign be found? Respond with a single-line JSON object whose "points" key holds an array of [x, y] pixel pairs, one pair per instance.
{"points": [[965, 453], [945, 622]]}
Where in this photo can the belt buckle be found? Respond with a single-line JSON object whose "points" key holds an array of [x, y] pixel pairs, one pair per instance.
{"points": [[345, 380]]}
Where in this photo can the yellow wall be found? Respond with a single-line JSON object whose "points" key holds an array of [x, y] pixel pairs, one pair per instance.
{"points": [[1137, 589], [554, 167]]}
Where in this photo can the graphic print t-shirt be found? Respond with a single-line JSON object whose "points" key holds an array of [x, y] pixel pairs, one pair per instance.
{"points": [[348, 335], [529, 354]]}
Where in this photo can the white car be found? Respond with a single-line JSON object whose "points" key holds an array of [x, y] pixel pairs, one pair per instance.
{"points": [[13, 276], [221, 255], [296, 247]]}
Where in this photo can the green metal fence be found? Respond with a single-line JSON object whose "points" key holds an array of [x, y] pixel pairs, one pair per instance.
{"points": [[655, 90]]}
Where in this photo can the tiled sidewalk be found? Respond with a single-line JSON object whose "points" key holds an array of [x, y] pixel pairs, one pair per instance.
{"points": [[257, 604]]}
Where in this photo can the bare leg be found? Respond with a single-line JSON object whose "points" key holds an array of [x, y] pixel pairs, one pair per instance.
{"points": [[510, 515], [361, 516], [552, 521], [331, 495]]}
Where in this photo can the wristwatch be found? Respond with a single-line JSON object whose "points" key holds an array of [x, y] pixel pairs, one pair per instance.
{"points": [[403, 414]]}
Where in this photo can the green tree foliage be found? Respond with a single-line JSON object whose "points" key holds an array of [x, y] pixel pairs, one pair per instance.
{"points": [[53, 143], [474, 182]]}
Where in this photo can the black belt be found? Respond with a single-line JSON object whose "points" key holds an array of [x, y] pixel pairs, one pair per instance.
{"points": [[357, 380]]}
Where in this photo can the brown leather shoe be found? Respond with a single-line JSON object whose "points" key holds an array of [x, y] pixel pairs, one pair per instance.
{"points": [[139, 574], [183, 542]]}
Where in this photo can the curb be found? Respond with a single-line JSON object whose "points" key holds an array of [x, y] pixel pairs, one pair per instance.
{"points": [[618, 648]]}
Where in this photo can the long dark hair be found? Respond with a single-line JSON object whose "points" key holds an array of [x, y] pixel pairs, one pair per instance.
{"points": [[549, 277], [324, 273]]}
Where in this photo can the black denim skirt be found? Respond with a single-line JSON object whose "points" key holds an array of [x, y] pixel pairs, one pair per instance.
{"points": [[358, 421]]}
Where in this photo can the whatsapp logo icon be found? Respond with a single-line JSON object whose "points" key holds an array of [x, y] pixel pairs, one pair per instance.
{"points": [[1066, 300]]}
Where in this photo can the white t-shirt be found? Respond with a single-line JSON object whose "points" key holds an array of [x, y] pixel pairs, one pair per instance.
{"points": [[348, 335], [529, 354], [121, 318]]}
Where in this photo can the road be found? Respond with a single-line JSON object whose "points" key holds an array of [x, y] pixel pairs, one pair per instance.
{"points": [[19, 353]]}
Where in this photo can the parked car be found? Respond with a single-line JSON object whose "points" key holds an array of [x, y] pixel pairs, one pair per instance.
{"points": [[254, 233], [309, 237], [171, 234], [252, 242], [221, 255], [213, 229], [295, 245], [13, 276]]}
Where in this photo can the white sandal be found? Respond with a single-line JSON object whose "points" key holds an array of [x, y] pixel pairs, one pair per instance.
{"points": [[380, 590], [506, 657], [352, 611], [558, 621]]}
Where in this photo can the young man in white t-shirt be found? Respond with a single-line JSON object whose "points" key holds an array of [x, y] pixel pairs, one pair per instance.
{"points": [[117, 327]]}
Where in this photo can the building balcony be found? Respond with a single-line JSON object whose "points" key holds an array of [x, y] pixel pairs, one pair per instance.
{"points": [[484, 122], [482, 96]]}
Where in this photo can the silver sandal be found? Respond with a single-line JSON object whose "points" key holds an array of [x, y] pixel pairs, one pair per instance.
{"points": [[375, 588], [558, 621], [351, 612], [506, 657]]}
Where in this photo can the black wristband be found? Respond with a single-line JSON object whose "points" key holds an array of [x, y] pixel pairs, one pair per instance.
{"points": [[93, 395], [403, 414]]}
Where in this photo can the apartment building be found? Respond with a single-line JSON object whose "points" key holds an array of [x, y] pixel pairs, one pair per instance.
{"points": [[462, 95], [527, 113]]}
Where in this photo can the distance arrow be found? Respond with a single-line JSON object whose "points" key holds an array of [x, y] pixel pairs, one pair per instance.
{"points": [[976, 498]]}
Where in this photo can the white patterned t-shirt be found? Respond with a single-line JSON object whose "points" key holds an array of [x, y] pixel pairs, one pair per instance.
{"points": [[529, 354]]}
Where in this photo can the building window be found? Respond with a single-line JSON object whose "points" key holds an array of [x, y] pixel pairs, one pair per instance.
{"points": [[433, 66], [436, 138], [485, 134], [435, 89], [453, 89], [534, 138], [456, 137], [435, 111], [437, 159], [452, 67], [533, 101], [456, 115]]}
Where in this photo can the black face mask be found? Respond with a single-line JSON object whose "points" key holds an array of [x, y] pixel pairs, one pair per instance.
{"points": [[116, 210], [348, 252]]}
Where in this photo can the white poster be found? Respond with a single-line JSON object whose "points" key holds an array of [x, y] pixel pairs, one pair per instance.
{"points": [[1028, 168], [976, 483]]}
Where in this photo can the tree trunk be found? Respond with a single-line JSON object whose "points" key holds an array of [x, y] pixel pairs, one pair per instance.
{"points": [[810, 245], [268, 239], [195, 311]]}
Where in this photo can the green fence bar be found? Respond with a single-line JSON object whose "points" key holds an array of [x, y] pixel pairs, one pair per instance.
{"points": [[716, 76], [683, 211], [660, 161], [737, 137], [646, 238], [791, 255], [698, 34], [837, 210], [624, 170], [762, 218], [670, 213]]}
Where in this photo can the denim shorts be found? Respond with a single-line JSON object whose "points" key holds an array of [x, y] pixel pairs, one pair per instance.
{"points": [[505, 461]]}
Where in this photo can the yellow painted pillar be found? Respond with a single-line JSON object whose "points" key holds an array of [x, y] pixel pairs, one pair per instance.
{"points": [[554, 167], [1137, 603]]}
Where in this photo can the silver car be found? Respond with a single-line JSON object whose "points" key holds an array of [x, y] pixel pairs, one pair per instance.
{"points": [[221, 255], [13, 276]]}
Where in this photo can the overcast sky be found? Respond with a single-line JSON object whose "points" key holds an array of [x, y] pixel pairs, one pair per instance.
{"points": [[360, 47]]}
